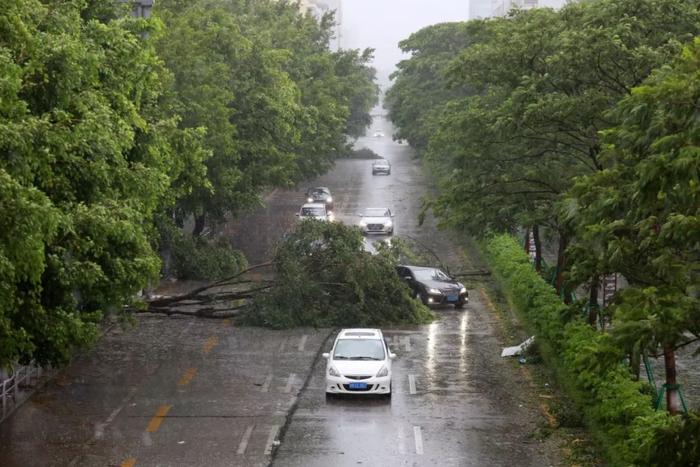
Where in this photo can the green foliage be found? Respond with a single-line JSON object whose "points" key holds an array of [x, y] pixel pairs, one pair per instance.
{"points": [[679, 442], [276, 105], [198, 258], [641, 216], [84, 164], [588, 363], [530, 92], [325, 278]]}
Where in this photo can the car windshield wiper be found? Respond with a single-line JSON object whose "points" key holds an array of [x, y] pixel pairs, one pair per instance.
{"points": [[364, 358], [340, 357]]}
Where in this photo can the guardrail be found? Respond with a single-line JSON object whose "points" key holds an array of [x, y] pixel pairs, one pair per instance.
{"points": [[17, 384]]}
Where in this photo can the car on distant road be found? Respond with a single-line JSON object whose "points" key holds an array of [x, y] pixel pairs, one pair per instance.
{"points": [[316, 211], [359, 363], [320, 194], [376, 221], [381, 166], [378, 134], [433, 286]]}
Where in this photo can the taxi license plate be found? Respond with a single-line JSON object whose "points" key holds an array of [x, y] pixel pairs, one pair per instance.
{"points": [[452, 298], [358, 385]]}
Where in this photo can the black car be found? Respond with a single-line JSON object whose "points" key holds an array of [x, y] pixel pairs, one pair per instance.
{"points": [[320, 194], [433, 286]]}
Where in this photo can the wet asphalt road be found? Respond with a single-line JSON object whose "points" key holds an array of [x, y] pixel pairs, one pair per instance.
{"points": [[182, 391], [455, 401]]}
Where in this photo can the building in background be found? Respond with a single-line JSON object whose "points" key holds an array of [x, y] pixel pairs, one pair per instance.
{"points": [[488, 8], [320, 7], [141, 8]]}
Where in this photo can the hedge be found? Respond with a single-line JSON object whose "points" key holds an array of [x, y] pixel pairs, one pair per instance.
{"points": [[586, 362]]}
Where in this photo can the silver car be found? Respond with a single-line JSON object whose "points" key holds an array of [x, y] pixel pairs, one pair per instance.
{"points": [[381, 167], [377, 221], [316, 211]]}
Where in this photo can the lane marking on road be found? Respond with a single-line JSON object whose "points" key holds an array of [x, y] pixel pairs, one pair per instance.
{"points": [[396, 341], [271, 439], [402, 441], [130, 462], [209, 344], [282, 345], [407, 343], [412, 384], [302, 342], [244, 441], [100, 427], [157, 419], [290, 382], [187, 376], [266, 385], [418, 436]]}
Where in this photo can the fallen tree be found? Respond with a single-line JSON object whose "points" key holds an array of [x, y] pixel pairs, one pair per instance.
{"points": [[320, 275], [324, 277]]}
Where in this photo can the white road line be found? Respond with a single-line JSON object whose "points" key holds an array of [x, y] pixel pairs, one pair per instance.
{"points": [[100, 427], [244, 441], [266, 385], [407, 343], [271, 439], [412, 384], [419, 440], [290, 382], [402, 441], [302, 342], [395, 341]]}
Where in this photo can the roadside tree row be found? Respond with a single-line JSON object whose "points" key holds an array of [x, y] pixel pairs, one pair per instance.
{"points": [[116, 130], [582, 121]]}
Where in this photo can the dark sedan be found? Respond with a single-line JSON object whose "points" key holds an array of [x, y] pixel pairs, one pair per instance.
{"points": [[433, 286], [320, 194]]}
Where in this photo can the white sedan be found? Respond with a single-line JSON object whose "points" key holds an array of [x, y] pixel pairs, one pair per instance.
{"points": [[377, 221], [359, 363]]}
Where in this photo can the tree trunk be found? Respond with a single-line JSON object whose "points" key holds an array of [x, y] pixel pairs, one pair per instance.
{"points": [[199, 220], [593, 301], [538, 247], [561, 264], [672, 394], [526, 244], [635, 363]]}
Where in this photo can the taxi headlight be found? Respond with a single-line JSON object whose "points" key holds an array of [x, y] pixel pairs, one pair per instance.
{"points": [[329, 199], [332, 371], [463, 290], [434, 291], [309, 200], [383, 372], [389, 223]]}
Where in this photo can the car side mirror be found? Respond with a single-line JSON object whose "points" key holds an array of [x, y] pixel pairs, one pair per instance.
{"points": [[392, 355], [408, 278], [326, 355]]}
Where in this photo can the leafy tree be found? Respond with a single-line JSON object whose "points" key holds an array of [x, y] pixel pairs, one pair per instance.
{"points": [[420, 85], [84, 163], [545, 82], [641, 215], [323, 277]]}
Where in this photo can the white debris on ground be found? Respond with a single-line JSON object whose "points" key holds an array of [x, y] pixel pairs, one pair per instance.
{"points": [[517, 349]]}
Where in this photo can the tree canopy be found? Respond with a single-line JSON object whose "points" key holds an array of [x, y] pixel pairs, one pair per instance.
{"points": [[112, 125]]}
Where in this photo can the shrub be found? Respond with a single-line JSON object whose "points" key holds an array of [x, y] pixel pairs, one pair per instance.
{"points": [[586, 362], [198, 258], [323, 277]]}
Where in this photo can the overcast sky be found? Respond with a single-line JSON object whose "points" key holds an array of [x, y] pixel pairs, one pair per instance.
{"points": [[381, 24]]}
